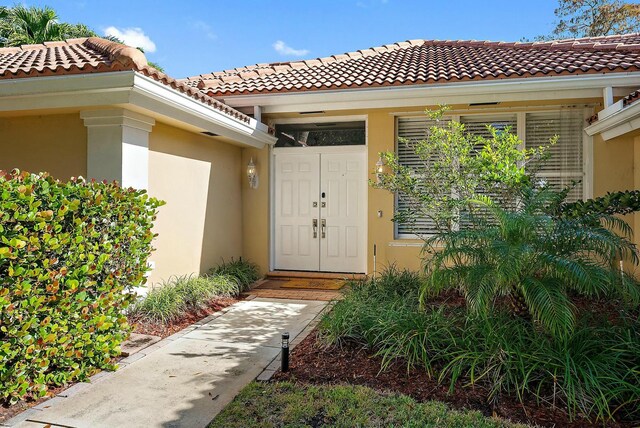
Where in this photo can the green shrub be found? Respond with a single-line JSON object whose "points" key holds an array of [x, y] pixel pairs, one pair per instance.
{"points": [[623, 202], [70, 256], [245, 272], [164, 303], [595, 371], [536, 260], [225, 285], [173, 298], [196, 291]]}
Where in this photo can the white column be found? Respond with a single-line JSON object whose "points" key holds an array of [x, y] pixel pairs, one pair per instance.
{"points": [[118, 146]]}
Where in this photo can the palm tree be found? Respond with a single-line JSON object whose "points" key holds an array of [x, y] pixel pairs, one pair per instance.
{"points": [[534, 259], [5, 27], [30, 25], [33, 25], [21, 25]]}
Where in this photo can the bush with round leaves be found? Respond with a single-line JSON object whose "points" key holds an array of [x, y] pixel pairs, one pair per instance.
{"points": [[71, 255]]}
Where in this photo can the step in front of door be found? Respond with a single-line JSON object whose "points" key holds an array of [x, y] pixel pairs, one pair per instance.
{"points": [[287, 274]]}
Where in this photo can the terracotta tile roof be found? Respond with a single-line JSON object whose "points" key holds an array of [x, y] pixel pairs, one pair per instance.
{"points": [[631, 98], [427, 62], [627, 100], [92, 55]]}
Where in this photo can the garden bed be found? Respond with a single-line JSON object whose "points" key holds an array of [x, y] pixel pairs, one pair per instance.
{"points": [[192, 315], [314, 363]]}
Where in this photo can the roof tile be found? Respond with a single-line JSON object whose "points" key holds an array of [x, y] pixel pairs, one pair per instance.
{"points": [[433, 61], [96, 55]]}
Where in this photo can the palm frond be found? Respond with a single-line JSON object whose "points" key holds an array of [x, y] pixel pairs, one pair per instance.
{"points": [[530, 254]]}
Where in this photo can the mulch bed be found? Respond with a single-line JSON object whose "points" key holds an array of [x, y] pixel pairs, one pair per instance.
{"points": [[314, 363], [156, 329], [8, 411], [194, 315]]}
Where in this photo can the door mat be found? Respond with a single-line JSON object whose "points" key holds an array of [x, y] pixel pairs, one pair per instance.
{"points": [[314, 284]]}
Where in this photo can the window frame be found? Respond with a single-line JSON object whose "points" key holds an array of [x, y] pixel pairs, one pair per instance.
{"points": [[520, 118]]}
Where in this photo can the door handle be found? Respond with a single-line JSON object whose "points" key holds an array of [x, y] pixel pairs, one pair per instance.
{"points": [[314, 223], [324, 227]]}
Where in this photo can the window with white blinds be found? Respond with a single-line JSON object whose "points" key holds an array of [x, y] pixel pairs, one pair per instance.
{"points": [[412, 129], [566, 163], [477, 125]]}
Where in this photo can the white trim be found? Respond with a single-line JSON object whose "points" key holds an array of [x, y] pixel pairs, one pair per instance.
{"points": [[496, 109], [618, 123], [320, 149], [318, 119], [406, 242], [272, 209], [157, 97], [607, 96], [119, 117], [133, 91], [587, 158], [524, 89]]}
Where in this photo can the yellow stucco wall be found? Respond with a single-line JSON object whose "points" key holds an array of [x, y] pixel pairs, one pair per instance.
{"points": [[613, 170], [613, 164], [56, 144], [200, 181], [255, 210]]}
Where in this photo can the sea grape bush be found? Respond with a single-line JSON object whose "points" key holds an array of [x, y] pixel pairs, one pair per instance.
{"points": [[623, 202], [71, 255]]}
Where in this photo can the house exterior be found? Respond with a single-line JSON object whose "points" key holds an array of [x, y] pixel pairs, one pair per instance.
{"points": [[93, 108], [89, 107]]}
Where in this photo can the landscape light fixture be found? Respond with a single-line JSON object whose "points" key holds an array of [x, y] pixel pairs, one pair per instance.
{"points": [[284, 360], [252, 174]]}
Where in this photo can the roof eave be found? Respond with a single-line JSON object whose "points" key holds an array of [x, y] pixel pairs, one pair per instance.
{"points": [[619, 123], [127, 88], [522, 89], [154, 96]]}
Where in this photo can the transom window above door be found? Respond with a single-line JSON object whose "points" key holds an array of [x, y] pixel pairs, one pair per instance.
{"points": [[321, 134]]}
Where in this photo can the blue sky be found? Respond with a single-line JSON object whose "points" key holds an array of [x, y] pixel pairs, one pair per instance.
{"points": [[196, 36]]}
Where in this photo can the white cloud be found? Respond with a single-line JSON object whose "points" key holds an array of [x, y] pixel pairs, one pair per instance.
{"points": [[204, 28], [133, 36], [283, 49]]}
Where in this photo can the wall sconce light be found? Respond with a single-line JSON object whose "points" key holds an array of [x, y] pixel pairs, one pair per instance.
{"points": [[252, 174], [379, 169]]}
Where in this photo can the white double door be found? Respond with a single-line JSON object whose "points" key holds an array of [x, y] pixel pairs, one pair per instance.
{"points": [[320, 212]]}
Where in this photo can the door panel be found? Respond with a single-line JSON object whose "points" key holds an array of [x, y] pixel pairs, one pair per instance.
{"points": [[297, 183], [342, 179]]}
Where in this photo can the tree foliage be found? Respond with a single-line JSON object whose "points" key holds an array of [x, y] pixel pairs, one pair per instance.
{"points": [[453, 167], [591, 18], [21, 25]]}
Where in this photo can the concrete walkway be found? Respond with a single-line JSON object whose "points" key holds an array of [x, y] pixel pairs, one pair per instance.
{"points": [[186, 382]]}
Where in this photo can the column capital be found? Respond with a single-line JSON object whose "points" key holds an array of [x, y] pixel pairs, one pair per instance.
{"points": [[118, 146], [117, 117]]}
